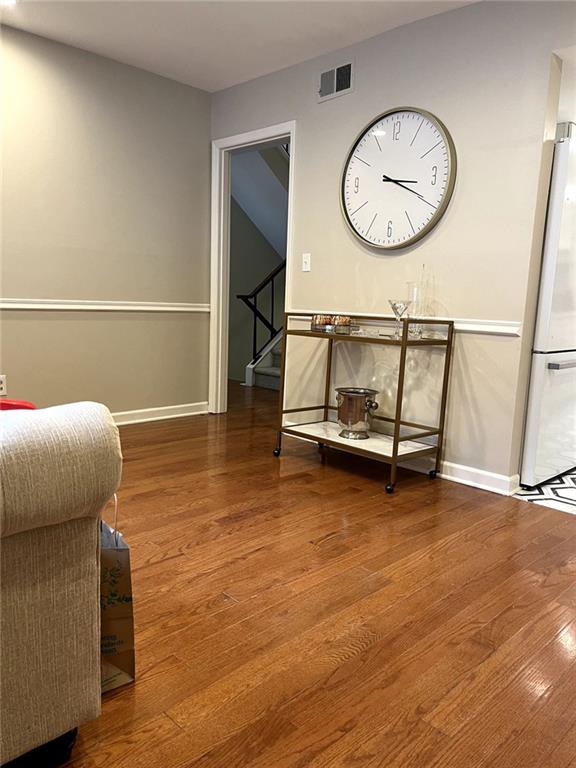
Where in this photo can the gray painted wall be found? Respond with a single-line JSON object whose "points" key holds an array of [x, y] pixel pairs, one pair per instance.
{"points": [[485, 70], [126, 360], [105, 196]]}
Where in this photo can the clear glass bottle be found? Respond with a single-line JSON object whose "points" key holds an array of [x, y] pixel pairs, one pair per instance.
{"points": [[414, 293]]}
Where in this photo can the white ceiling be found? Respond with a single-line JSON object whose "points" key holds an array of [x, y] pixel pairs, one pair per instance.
{"points": [[214, 44]]}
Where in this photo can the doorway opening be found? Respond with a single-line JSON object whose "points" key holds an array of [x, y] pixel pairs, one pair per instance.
{"points": [[259, 184], [252, 194]]}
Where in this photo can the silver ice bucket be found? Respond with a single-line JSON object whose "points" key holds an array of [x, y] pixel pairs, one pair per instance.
{"points": [[355, 404]]}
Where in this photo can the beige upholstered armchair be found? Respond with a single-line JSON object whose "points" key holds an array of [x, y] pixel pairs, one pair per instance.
{"points": [[58, 468]]}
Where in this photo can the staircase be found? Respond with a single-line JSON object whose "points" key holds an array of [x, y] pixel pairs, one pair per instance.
{"points": [[263, 370], [267, 375]]}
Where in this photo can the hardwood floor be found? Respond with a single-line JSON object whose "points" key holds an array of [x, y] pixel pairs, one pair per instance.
{"points": [[290, 614]]}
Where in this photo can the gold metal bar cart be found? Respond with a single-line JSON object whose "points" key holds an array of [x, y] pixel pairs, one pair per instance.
{"points": [[405, 440]]}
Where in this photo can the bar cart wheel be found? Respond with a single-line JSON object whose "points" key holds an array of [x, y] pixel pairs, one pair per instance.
{"points": [[433, 474], [276, 451], [389, 488]]}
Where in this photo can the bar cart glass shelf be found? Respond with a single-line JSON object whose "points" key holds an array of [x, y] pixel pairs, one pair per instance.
{"points": [[407, 439]]}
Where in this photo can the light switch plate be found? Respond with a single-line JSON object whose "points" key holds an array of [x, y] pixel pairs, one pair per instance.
{"points": [[306, 262]]}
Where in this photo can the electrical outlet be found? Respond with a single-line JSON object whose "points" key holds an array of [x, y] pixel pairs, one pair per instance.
{"points": [[306, 262], [3, 385]]}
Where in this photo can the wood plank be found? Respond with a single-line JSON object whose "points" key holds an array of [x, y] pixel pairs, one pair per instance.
{"points": [[243, 695], [486, 682], [290, 614], [551, 721], [415, 675], [116, 748], [499, 718]]}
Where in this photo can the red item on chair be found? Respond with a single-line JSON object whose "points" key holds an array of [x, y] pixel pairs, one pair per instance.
{"points": [[13, 405]]}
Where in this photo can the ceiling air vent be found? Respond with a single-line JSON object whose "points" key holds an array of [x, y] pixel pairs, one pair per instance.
{"points": [[336, 82]]}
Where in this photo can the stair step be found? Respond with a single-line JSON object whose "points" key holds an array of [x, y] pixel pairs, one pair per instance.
{"points": [[268, 370], [267, 382]]}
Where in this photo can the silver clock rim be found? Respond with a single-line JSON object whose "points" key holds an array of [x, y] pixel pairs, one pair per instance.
{"points": [[440, 211]]}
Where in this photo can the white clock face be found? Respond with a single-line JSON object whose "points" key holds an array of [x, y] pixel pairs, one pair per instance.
{"points": [[398, 178]]}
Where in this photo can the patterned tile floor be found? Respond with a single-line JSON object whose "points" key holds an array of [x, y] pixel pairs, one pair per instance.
{"points": [[559, 493]]}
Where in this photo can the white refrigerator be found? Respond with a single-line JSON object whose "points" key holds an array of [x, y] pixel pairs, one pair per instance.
{"points": [[550, 436]]}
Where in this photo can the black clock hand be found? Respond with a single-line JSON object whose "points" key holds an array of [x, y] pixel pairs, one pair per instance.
{"points": [[398, 182]]}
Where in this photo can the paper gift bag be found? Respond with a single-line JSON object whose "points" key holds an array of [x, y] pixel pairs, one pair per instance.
{"points": [[116, 612]]}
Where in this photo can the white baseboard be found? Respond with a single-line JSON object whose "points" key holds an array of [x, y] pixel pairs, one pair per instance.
{"points": [[480, 478], [506, 485], [159, 414]]}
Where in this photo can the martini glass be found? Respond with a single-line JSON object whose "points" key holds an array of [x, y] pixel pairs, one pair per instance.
{"points": [[399, 307]]}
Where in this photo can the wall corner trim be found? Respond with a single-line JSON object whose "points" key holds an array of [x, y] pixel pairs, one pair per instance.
{"points": [[89, 305], [461, 324], [160, 413]]}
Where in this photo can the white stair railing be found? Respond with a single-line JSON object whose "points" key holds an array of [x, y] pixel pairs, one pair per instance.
{"points": [[252, 367]]}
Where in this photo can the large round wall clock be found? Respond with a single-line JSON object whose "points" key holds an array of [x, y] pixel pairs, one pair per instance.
{"points": [[398, 178]]}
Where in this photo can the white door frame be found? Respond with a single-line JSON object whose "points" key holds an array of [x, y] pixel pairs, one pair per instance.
{"points": [[220, 249]]}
